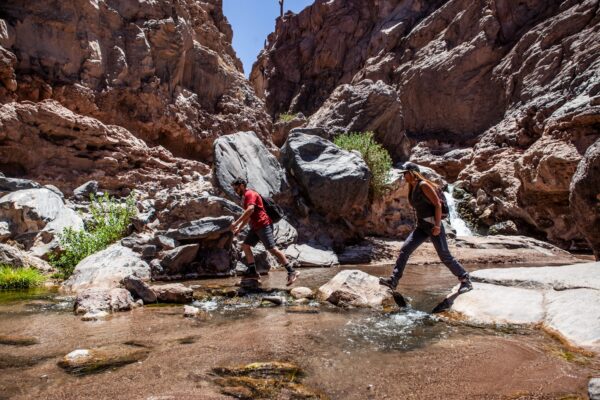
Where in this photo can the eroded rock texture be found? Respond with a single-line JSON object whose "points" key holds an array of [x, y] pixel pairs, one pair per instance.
{"points": [[513, 86], [165, 69], [53, 144]]}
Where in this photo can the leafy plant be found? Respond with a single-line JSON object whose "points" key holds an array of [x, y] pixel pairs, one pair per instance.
{"points": [[287, 117], [19, 278], [375, 155], [108, 223]]}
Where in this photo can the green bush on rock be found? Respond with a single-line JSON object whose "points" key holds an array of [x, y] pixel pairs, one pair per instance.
{"points": [[108, 224], [375, 155], [20, 278], [286, 117]]}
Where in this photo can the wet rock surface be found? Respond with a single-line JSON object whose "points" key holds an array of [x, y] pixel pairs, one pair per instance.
{"points": [[356, 288], [173, 293], [94, 360], [563, 300]]}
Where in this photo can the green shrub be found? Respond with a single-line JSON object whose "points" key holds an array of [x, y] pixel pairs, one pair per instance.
{"points": [[108, 224], [20, 278], [287, 117], [375, 155]]}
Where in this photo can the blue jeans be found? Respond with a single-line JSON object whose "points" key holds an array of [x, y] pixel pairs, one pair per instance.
{"points": [[415, 239]]}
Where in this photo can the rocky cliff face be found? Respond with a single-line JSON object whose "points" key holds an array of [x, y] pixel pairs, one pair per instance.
{"points": [[502, 95], [165, 70]]}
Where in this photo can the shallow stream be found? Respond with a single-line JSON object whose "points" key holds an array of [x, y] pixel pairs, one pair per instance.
{"points": [[345, 354]]}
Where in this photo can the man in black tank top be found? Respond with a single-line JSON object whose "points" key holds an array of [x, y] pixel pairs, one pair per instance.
{"points": [[424, 198]]}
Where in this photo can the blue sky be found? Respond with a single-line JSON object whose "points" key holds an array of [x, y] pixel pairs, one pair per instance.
{"points": [[252, 21]]}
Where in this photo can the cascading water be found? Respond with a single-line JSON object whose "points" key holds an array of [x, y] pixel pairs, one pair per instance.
{"points": [[459, 225]]}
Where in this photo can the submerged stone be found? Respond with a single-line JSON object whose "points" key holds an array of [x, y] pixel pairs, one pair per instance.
{"points": [[86, 361], [13, 340]]}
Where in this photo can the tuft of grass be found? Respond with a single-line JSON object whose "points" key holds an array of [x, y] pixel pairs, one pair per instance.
{"points": [[108, 224], [20, 278], [375, 155], [287, 117]]}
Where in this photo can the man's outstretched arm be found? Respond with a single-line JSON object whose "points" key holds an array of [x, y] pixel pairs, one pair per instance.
{"points": [[242, 220]]}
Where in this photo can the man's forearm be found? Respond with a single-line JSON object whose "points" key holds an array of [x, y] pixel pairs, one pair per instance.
{"points": [[245, 217], [438, 215]]}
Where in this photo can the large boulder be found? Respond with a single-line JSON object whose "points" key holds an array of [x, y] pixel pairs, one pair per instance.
{"points": [[356, 288], [175, 260], [243, 155], [14, 184], [105, 269], [16, 258], [173, 293], [361, 107], [585, 197], [139, 289], [36, 216], [334, 180]]}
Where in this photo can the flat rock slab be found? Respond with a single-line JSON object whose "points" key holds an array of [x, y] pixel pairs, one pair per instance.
{"points": [[357, 289], [558, 278], [492, 304], [17, 340], [575, 315], [107, 268], [529, 296], [201, 229], [308, 256], [86, 361]]}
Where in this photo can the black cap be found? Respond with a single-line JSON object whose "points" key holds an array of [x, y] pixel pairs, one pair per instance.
{"points": [[408, 166], [238, 181]]}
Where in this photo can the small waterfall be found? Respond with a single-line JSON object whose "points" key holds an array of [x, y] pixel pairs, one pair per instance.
{"points": [[459, 225]]}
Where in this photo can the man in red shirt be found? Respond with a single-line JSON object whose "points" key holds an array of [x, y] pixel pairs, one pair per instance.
{"points": [[261, 228]]}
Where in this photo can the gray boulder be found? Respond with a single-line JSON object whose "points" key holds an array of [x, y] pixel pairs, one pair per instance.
{"points": [[308, 256], [36, 216], [14, 184], [584, 197], [504, 228], [285, 234], [334, 180], [16, 258], [174, 260], [243, 155], [139, 289], [84, 191], [105, 269], [208, 227]]}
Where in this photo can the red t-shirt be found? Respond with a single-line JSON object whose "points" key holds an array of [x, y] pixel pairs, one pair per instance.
{"points": [[259, 218]]}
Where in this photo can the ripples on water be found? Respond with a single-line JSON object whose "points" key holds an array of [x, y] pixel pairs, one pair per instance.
{"points": [[396, 331]]}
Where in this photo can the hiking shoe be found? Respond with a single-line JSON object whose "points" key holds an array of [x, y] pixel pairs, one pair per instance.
{"points": [[465, 286], [292, 276], [389, 282]]}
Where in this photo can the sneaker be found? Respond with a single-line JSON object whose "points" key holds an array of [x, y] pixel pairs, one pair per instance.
{"points": [[389, 282], [292, 276], [465, 286]]}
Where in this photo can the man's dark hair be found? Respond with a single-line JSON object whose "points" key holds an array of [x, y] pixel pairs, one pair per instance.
{"points": [[238, 181]]}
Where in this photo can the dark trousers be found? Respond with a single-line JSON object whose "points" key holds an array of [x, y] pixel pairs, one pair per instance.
{"points": [[415, 239]]}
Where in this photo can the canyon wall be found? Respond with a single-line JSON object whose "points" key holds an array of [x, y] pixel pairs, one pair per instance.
{"points": [[503, 96]]}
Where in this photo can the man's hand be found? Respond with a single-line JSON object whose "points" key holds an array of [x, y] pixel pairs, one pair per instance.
{"points": [[435, 231], [234, 229]]}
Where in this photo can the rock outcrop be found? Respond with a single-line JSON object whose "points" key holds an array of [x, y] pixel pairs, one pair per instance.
{"points": [[71, 149], [356, 288], [585, 197], [165, 70], [35, 217], [501, 95]]}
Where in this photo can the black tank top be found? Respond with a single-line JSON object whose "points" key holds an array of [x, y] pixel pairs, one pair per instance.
{"points": [[420, 202]]}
